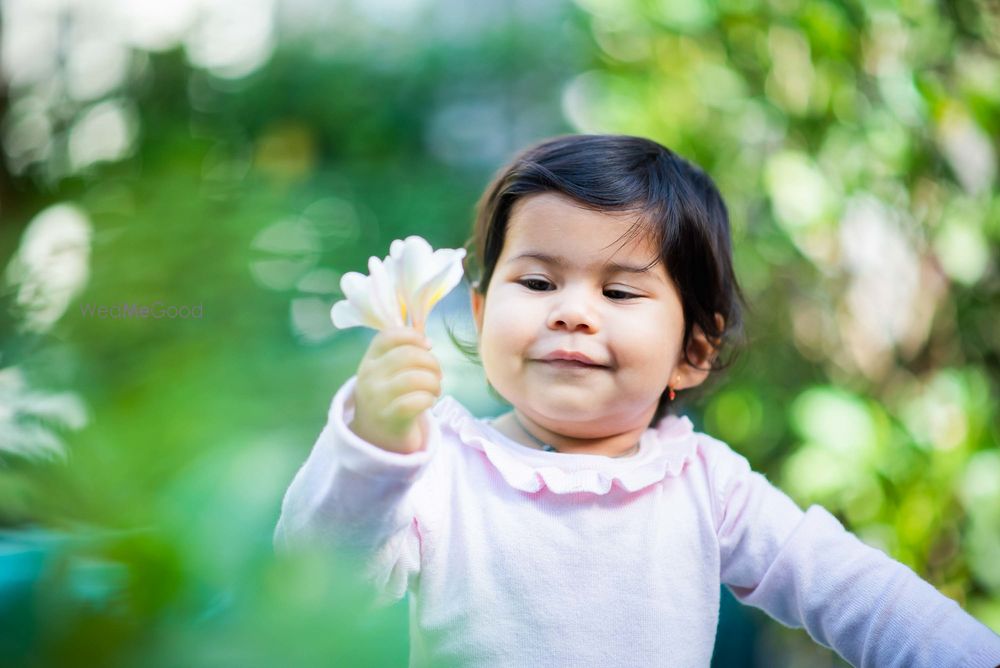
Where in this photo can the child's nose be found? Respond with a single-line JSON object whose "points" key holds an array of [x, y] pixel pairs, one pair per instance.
{"points": [[573, 310]]}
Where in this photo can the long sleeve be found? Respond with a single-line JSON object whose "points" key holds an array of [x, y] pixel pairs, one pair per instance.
{"points": [[806, 570], [354, 496]]}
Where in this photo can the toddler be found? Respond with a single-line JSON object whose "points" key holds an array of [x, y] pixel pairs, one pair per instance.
{"points": [[590, 526]]}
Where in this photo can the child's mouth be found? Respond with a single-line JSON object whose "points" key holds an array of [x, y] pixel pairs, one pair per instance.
{"points": [[571, 364]]}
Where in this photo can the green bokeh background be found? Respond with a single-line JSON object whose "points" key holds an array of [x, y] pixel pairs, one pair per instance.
{"points": [[142, 462]]}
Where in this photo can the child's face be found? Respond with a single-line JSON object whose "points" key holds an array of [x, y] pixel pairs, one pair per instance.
{"points": [[630, 323]]}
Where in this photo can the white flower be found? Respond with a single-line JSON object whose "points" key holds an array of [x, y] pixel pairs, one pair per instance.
{"points": [[401, 289], [424, 275]]}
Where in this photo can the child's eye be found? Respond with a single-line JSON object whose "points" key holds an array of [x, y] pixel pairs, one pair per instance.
{"points": [[535, 284], [619, 294]]}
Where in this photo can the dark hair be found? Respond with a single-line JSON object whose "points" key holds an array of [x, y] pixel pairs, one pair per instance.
{"points": [[679, 206]]}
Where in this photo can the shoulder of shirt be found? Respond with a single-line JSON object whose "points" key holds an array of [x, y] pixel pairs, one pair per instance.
{"points": [[718, 458]]}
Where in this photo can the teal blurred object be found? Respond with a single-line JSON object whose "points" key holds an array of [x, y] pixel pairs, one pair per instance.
{"points": [[28, 558], [736, 635], [23, 557], [114, 598]]}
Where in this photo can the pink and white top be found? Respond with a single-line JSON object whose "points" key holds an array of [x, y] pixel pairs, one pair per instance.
{"points": [[519, 557]]}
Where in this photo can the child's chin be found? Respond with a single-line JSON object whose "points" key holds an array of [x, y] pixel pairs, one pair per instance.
{"points": [[569, 413]]}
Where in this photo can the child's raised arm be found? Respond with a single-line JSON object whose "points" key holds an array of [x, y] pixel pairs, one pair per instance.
{"points": [[353, 492]]}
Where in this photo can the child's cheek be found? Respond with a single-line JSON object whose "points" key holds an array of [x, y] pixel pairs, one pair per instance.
{"points": [[513, 307]]}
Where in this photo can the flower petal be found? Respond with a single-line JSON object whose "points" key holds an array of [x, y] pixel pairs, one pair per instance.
{"points": [[345, 315], [356, 310], [413, 257], [448, 263], [355, 286], [383, 293], [413, 260]]}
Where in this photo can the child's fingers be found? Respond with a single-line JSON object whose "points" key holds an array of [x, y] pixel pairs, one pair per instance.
{"points": [[414, 380], [383, 391], [380, 370], [407, 357], [398, 378], [408, 406], [394, 337]]}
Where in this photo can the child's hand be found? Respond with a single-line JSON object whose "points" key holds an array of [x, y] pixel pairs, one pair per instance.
{"points": [[398, 379]]}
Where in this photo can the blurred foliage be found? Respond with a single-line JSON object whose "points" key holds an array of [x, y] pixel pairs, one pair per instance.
{"points": [[142, 461]]}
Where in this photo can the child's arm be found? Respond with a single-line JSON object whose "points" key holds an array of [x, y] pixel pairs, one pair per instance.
{"points": [[805, 570], [353, 493]]}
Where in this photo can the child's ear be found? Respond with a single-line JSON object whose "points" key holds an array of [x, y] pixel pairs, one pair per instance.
{"points": [[477, 301], [702, 352]]}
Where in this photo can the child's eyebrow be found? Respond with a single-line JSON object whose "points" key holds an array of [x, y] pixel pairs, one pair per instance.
{"points": [[558, 261]]}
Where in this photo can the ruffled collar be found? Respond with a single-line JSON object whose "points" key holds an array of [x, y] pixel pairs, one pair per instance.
{"points": [[663, 452]]}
